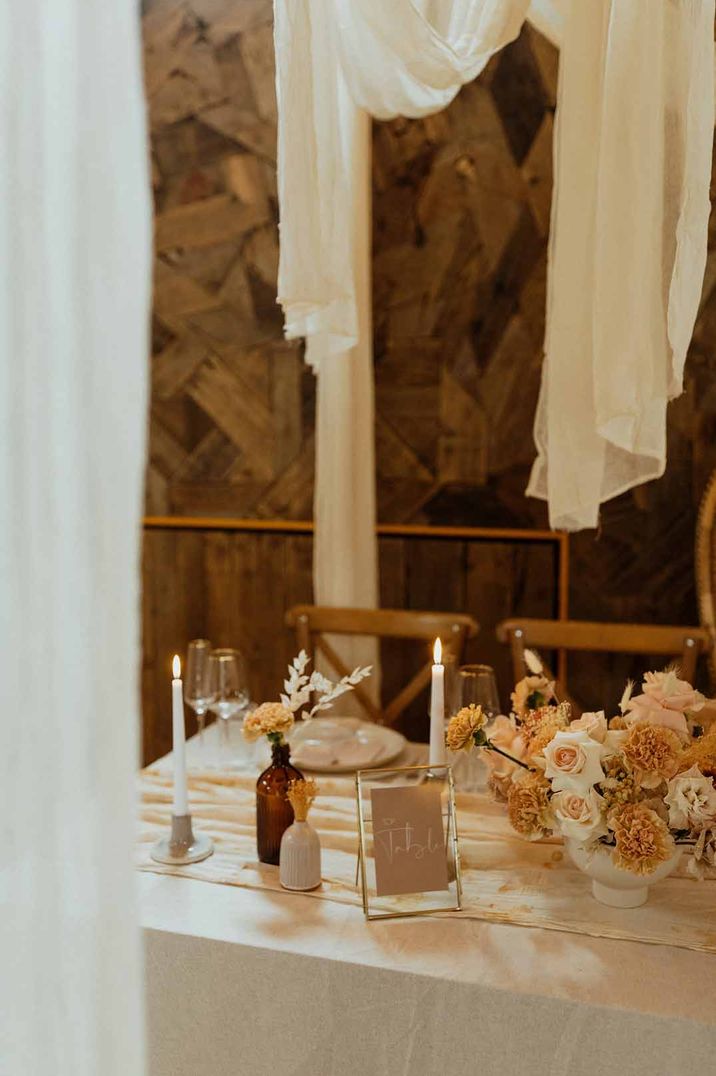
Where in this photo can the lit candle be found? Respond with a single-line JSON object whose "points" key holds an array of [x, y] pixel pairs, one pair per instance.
{"points": [[181, 802], [437, 708]]}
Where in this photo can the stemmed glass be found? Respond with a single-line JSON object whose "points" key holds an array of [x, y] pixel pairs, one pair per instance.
{"points": [[472, 684], [476, 684], [197, 693], [228, 691]]}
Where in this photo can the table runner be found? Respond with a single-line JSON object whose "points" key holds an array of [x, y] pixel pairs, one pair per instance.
{"points": [[505, 879]]}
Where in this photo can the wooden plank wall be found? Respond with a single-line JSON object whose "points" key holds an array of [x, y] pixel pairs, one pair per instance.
{"points": [[234, 588], [461, 219]]}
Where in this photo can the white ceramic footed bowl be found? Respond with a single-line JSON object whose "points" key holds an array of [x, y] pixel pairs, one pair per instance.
{"points": [[610, 884]]}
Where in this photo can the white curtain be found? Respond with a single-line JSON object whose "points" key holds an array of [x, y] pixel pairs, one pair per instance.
{"points": [[628, 245], [630, 207], [345, 570], [75, 240]]}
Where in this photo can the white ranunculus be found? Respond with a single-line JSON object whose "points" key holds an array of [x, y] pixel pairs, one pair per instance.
{"points": [[580, 817], [595, 724], [691, 799], [573, 761]]}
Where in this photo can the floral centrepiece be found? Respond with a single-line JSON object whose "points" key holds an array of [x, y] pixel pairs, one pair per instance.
{"points": [[634, 788]]}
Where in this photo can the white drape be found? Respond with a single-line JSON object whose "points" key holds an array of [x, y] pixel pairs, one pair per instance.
{"points": [[339, 336], [628, 245], [630, 203], [75, 240]]}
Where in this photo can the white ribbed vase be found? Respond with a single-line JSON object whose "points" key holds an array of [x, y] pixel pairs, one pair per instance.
{"points": [[300, 859]]}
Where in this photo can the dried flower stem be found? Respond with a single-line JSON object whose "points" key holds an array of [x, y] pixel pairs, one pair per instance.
{"points": [[490, 746]]}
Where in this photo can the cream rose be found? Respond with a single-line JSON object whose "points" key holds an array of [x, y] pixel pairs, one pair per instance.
{"points": [[580, 817], [573, 761], [595, 724], [691, 799]]}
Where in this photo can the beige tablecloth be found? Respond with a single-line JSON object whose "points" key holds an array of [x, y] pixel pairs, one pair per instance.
{"points": [[505, 879]]}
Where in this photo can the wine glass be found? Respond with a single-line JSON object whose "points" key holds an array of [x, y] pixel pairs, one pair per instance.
{"points": [[228, 691], [476, 684], [197, 693], [472, 684]]}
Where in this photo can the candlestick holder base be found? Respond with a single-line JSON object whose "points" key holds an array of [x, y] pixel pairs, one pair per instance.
{"points": [[182, 845]]}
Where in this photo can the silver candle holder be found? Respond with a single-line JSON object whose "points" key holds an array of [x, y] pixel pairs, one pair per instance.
{"points": [[182, 845]]}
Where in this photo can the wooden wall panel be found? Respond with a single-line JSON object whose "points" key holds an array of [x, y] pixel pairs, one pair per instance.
{"points": [[235, 587]]}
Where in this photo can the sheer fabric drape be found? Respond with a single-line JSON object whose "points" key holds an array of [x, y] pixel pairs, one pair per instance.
{"points": [[627, 250], [75, 240], [628, 245]]}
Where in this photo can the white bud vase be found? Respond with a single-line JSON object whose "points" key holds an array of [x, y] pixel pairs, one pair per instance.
{"points": [[300, 859]]}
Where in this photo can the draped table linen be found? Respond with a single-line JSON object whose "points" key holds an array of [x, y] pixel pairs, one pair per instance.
{"points": [[302, 983], [505, 878]]}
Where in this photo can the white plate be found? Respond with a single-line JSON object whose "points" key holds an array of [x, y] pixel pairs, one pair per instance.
{"points": [[343, 745]]}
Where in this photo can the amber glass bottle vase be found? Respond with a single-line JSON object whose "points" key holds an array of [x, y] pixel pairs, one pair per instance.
{"points": [[274, 813]]}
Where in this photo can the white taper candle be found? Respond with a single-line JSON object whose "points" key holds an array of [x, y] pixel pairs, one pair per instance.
{"points": [[181, 800], [438, 756]]}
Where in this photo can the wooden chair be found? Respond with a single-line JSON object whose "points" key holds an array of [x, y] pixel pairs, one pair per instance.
{"points": [[313, 622], [680, 643], [706, 569]]}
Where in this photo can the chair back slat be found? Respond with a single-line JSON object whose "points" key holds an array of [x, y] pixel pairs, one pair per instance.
{"points": [[705, 563], [313, 622], [683, 644]]}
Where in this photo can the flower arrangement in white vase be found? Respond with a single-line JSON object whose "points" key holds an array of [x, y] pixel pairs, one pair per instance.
{"points": [[300, 860], [626, 795]]}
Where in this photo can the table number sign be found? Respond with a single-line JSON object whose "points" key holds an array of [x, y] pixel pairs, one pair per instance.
{"points": [[408, 840], [408, 857]]}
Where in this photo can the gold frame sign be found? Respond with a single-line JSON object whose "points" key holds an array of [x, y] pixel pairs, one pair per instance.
{"points": [[408, 854]]}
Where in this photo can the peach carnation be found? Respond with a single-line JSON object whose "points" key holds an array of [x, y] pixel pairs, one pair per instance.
{"points": [[463, 726], [270, 717], [642, 839], [528, 806], [653, 752]]}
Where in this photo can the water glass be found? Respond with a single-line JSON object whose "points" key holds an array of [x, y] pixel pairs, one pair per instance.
{"points": [[197, 692], [228, 695], [471, 684], [476, 684]]}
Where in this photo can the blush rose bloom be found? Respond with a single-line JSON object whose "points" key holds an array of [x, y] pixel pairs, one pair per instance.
{"points": [[595, 724], [580, 817], [691, 800], [503, 734], [664, 701], [573, 761]]}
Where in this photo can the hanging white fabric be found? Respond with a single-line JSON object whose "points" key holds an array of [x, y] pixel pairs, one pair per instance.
{"points": [[75, 243], [405, 58], [640, 260], [630, 210]]}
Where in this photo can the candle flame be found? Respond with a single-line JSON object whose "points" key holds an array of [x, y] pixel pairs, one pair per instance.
{"points": [[176, 667], [438, 652]]}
